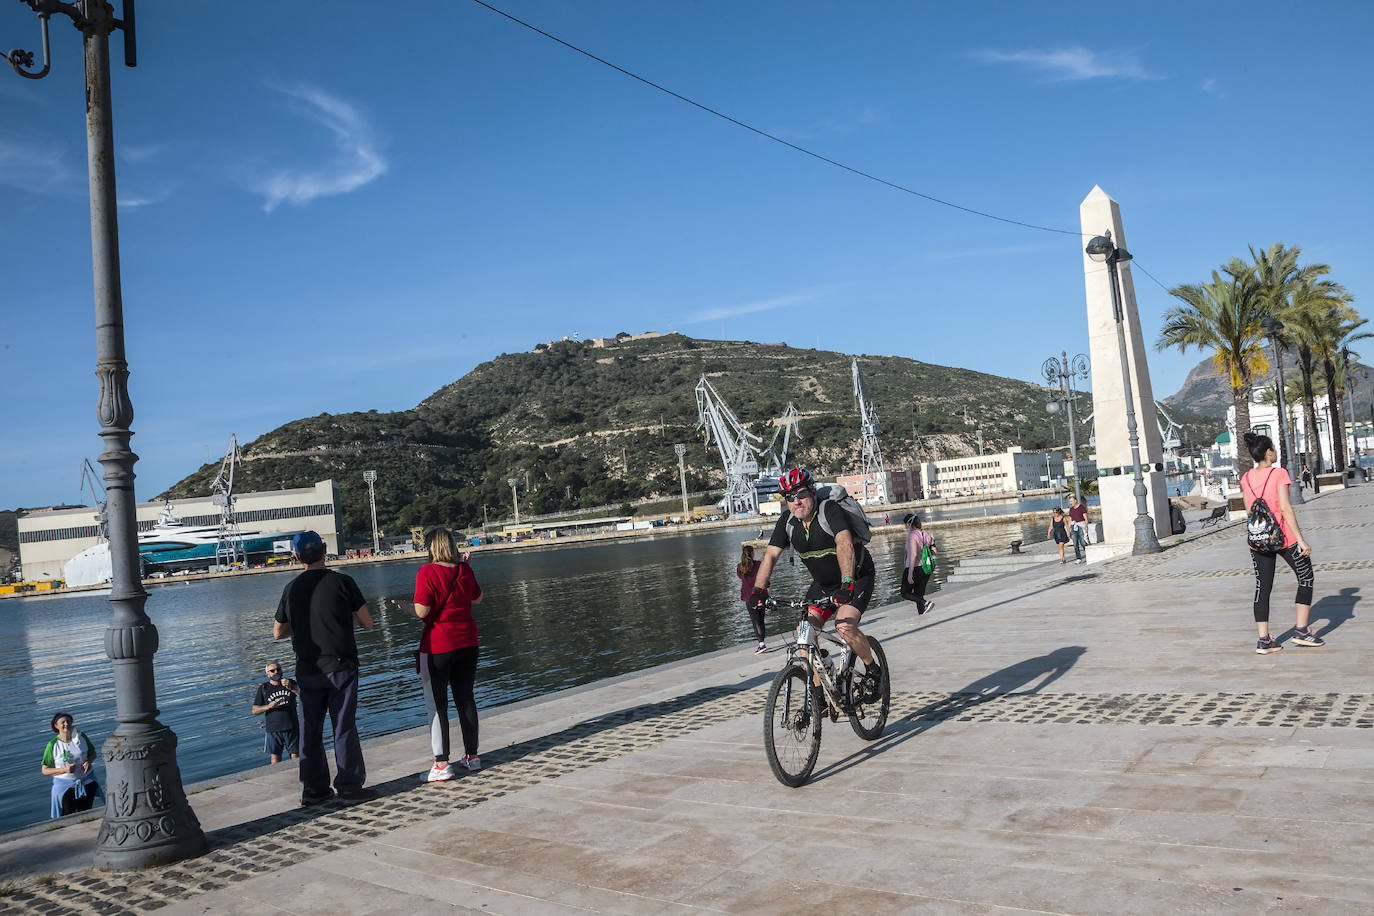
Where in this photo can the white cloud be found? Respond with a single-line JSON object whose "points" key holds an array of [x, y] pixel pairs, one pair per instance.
{"points": [[133, 199], [135, 154], [357, 159], [37, 165], [801, 297], [1210, 87], [1075, 63]]}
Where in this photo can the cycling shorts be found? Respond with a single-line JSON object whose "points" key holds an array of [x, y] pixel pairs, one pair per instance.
{"points": [[863, 593]]}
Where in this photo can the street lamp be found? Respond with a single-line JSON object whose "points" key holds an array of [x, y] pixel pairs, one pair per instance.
{"points": [[1102, 249], [147, 819], [681, 451], [371, 478], [1061, 372], [511, 482], [1273, 327]]}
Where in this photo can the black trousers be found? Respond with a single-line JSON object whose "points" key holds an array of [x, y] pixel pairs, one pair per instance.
{"points": [[756, 619], [450, 672], [915, 590], [1265, 564]]}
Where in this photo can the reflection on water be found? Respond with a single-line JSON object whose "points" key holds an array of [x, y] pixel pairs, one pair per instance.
{"points": [[550, 619]]}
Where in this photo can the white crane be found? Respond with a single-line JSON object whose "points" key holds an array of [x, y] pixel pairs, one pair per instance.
{"points": [[737, 452], [229, 550], [91, 480], [1168, 436], [775, 460], [872, 455]]}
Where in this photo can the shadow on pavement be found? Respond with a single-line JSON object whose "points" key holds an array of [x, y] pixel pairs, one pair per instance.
{"points": [[1334, 609], [1013, 679]]}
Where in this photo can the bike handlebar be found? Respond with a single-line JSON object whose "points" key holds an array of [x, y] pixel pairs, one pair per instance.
{"points": [[826, 604]]}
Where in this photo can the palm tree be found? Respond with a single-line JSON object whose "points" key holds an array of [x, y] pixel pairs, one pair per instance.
{"points": [[1340, 325], [1308, 316], [1223, 317]]}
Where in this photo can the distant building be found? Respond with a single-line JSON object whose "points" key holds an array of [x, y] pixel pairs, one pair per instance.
{"points": [[48, 538], [1264, 419], [993, 475], [902, 486]]}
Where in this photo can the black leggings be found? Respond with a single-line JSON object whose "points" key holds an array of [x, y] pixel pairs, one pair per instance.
{"points": [[915, 590], [71, 804], [756, 618], [450, 671], [1265, 564]]}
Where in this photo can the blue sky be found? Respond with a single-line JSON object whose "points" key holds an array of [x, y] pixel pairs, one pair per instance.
{"points": [[348, 211]]}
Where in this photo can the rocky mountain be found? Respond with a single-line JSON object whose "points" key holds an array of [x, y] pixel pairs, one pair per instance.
{"points": [[581, 424], [1207, 393]]}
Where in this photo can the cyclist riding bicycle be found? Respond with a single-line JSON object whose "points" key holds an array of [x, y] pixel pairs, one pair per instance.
{"points": [[840, 565]]}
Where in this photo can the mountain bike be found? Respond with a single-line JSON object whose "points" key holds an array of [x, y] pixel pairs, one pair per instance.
{"points": [[804, 692]]}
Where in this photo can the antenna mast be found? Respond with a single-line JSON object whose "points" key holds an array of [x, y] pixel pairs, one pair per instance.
{"points": [[872, 454], [229, 550]]}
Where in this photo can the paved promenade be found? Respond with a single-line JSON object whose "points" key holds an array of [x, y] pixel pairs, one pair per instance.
{"points": [[1096, 739]]}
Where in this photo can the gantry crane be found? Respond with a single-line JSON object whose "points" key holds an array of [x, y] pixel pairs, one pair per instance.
{"points": [[91, 480], [229, 549], [872, 471], [774, 460], [1168, 436], [738, 453]]}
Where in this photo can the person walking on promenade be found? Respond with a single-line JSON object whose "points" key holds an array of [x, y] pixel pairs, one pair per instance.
{"points": [[746, 569], [1058, 532], [445, 591], [1078, 529], [68, 759], [276, 700], [1306, 477], [915, 578], [317, 611], [1269, 482]]}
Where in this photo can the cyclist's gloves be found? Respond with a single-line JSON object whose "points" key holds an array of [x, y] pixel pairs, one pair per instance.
{"points": [[757, 599], [845, 594]]}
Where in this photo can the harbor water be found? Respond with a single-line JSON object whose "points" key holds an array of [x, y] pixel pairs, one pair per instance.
{"points": [[551, 619]]}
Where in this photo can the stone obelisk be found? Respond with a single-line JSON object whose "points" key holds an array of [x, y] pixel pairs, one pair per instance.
{"points": [[1099, 214]]}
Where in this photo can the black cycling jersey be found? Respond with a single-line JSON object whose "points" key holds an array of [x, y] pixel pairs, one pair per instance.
{"points": [[817, 549]]}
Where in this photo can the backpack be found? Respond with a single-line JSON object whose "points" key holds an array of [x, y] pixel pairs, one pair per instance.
{"points": [[859, 526], [927, 561], [1262, 531]]}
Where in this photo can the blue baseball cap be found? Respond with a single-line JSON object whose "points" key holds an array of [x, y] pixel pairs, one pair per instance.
{"points": [[306, 542]]}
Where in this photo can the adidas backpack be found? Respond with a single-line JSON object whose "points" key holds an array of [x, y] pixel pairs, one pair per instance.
{"points": [[1262, 531]]}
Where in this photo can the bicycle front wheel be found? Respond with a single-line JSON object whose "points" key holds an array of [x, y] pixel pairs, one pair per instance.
{"points": [[870, 701], [792, 725]]}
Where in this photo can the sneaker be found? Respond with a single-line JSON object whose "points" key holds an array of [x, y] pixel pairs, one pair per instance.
{"points": [[763, 647], [1267, 645], [472, 762], [871, 685], [310, 798], [1307, 639], [930, 606], [440, 772]]}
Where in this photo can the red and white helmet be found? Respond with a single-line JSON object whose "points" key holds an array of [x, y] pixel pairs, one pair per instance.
{"points": [[794, 481]]}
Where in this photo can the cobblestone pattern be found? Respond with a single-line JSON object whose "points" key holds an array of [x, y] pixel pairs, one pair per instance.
{"points": [[276, 842], [1112, 574]]}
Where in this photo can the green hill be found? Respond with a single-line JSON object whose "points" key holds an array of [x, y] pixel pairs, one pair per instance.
{"points": [[589, 426]]}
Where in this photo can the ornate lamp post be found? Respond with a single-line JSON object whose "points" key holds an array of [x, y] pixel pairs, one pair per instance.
{"points": [[1273, 327], [1061, 371], [1101, 249], [147, 819]]}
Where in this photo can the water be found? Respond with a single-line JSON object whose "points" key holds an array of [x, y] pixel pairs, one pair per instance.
{"points": [[551, 619]]}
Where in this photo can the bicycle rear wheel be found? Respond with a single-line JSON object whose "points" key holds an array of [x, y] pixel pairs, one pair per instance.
{"points": [[868, 718], [792, 725]]}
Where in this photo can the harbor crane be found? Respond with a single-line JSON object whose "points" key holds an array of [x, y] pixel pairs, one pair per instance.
{"points": [[230, 552], [774, 459], [872, 455], [90, 480], [1168, 436], [738, 453]]}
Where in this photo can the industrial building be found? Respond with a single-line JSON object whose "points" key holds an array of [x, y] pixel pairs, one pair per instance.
{"points": [[48, 538], [991, 475]]}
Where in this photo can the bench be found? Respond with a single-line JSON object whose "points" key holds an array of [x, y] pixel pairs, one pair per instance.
{"points": [[1219, 513], [1016, 547]]}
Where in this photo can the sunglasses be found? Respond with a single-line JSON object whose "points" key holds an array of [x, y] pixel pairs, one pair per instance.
{"points": [[274, 671], [797, 497]]}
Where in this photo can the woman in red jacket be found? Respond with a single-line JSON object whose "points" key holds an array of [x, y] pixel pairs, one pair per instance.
{"points": [[445, 591]]}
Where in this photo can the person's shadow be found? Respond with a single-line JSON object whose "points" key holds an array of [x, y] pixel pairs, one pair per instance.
{"points": [[1013, 679], [1334, 609]]}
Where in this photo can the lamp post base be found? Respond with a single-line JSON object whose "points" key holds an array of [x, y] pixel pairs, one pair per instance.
{"points": [[1145, 540], [147, 819]]}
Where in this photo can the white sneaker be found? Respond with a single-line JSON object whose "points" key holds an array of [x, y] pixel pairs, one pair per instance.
{"points": [[763, 647], [440, 772], [471, 762]]}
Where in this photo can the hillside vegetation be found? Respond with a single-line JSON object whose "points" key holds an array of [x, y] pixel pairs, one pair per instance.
{"points": [[580, 426]]}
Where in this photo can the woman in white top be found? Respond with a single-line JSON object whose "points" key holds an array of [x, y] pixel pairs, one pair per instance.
{"points": [[68, 759]]}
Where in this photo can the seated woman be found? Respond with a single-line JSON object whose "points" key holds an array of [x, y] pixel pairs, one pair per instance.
{"points": [[68, 760]]}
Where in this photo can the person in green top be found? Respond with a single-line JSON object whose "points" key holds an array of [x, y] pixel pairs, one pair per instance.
{"points": [[68, 759]]}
